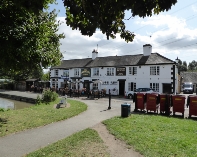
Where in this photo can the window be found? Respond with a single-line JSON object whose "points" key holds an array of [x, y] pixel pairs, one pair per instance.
{"points": [[66, 73], [154, 70], [54, 83], [133, 70], [76, 72], [56, 72], [95, 85], [95, 71], [131, 86], [110, 71], [154, 86]]}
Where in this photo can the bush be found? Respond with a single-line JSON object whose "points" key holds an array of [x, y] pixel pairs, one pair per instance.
{"points": [[38, 100], [48, 96]]}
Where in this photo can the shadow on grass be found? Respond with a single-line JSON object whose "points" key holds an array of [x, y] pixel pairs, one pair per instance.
{"points": [[3, 121]]}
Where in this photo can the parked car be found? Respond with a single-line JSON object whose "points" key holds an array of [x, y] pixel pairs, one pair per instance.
{"points": [[130, 94]]}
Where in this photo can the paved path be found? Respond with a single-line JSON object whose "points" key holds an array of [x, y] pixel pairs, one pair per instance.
{"points": [[19, 144]]}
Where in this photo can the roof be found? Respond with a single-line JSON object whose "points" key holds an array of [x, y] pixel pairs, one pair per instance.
{"points": [[115, 61], [189, 77], [73, 63]]}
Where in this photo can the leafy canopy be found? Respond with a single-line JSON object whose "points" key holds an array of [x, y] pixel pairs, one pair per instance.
{"points": [[28, 36], [108, 15]]}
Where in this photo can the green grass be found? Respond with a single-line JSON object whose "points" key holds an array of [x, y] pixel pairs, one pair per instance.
{"points": [[17, 120], [86, 143], [155, 135]]}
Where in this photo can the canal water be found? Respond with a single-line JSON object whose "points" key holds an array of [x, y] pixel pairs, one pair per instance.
{"points": [[18, 104]]}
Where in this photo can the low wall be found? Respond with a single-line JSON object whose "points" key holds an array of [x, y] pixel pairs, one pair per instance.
{"points": [[18, 98]]}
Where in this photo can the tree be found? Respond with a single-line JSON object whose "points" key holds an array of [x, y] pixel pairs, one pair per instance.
{"points": [[46, 76], [182, 66], [108, 15], [185, 63], [28, 36], [192, 66]]}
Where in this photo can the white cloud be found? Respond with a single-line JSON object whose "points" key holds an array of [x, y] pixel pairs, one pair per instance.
{"points": [[170, 36], [194, 8]]}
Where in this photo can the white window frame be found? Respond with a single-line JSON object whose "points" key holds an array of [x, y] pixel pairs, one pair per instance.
{"points": [[66, 73], [154, 87], [56, 72], [95, 85], [76, 72], [129, 86], [95, 71], [110, 71], [154, 70], [54, 83], [133, 70]]}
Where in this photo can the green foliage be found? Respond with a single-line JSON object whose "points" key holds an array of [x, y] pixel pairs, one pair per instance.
{"points": [[28, 40], [38, 115], [46, 76], [109, 15], [49, 96], [192, 66], [2, 110], [156, 136], [85, 143], [38, 100], [182, 66]]}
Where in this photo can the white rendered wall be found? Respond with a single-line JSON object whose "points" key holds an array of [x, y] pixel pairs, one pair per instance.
{"points": [[142, 79]]}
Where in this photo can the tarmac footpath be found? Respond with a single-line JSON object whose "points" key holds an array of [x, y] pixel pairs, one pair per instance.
{"points": [[24, 142]]}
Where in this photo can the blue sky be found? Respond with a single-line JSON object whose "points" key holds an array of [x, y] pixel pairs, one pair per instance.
{"points": [[172, 34]]}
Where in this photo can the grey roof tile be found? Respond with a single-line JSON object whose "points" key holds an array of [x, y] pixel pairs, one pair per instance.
{"points": [[189, 76], [115, 61]]}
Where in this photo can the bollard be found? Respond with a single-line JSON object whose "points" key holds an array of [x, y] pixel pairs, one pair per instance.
{"points": [[66, 98], [109, 107]]}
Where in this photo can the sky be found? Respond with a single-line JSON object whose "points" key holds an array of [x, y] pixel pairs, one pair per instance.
{"points": [[172, 34]]}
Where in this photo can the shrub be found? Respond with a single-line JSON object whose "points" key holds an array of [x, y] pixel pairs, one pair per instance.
{"points": [[38, 100], [49, 96]]}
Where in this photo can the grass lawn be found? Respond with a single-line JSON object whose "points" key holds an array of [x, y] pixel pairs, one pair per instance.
{"points": [[86, 143], [17, 120], [155, 135]]}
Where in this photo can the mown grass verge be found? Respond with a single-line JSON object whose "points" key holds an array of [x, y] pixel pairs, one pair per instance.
{"points": [[17, 120], [86, 143], [155, 135]]}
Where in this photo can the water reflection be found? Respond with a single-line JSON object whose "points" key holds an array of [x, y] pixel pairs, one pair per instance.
{"points": [[19, 104]]}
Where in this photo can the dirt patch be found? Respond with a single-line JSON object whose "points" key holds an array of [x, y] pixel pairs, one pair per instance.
{"points": [[117, 148]]}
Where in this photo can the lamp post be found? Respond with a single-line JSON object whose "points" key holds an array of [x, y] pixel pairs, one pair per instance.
{"points": [[175, 75]]}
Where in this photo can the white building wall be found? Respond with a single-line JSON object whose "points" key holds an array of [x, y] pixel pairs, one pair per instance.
{"points": [[142, 78]]}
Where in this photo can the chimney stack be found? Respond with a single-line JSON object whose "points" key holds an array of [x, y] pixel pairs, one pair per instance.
{"points": [[94, 54], [147, 49]]}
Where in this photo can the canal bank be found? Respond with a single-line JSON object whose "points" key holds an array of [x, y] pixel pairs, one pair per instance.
{"points": [[22, 96]]}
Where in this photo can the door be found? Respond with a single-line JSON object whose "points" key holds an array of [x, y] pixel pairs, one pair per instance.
{"points": [[86, 84], [167, 88], [121, 87]]}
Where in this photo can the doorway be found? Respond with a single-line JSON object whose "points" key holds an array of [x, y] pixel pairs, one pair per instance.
{"points": [[121, 87], [167, 88]]}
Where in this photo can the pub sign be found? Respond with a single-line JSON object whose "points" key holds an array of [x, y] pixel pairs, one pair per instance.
{"points": [[120, 71], [86, 72]]}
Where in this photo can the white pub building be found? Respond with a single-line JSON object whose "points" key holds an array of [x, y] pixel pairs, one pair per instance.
{"points": [[120, 74]]}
